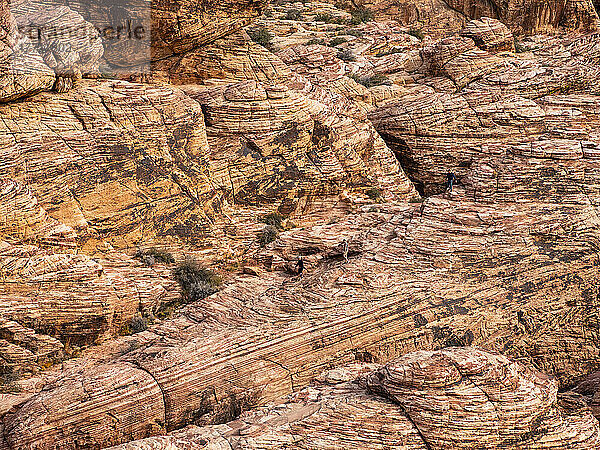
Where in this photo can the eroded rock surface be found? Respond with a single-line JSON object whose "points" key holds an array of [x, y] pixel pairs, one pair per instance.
{"points": [[458, 398], [22, 69], [522, 16], [507, 261]]}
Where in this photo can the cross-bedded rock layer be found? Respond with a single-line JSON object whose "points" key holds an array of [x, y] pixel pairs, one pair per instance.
{"points": [[455, 398]]}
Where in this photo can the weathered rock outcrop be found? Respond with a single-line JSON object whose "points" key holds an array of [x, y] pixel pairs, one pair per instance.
{"points": [[49, 288], [176, 27], [22, 69], [455, 398], [489, 34], [417, 277], [521, 16], [508, 261], [69, 45], [516, 119]]}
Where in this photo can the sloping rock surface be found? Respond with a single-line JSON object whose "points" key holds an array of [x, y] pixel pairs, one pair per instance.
{"points": [[455, 398]]}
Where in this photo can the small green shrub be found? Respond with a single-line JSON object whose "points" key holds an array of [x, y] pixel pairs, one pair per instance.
{"points": [[195, 281], [262, 36], [369, 82], [137, 324], [374, 193], [328, 18], [391, 51], [520, 48], [417, 33], [361, 15], [337, 41], [293, 14], [267, 235], [274, 219], [315, 41], [323, 17], [346, 55], [154, 256], [355, 33]]}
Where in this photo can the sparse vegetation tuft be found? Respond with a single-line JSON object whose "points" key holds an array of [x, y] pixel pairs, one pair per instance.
{"points": [[374, 80], [361, 15], [293, 14], [154, 256], [337, 41], [267, 235], [416, 32], [346, 55], [374, 193], [262, 36], [274, 219], [195, 281]]}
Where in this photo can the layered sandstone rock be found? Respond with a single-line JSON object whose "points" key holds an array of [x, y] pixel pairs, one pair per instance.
{"points": [[48, 289], [521, 16], [175, 27], [507, 262], [538, 115], [416, 277], [489, 34], [590, 389], [458, 398], [22, 69], [69, 45]]}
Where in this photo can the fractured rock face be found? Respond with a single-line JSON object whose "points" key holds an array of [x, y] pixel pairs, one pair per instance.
{"points": [[263, 129], [22, 69], [434, 275], [48, 288], [68, 44], [455, 398], [489, 34], [467, 398], [519, 15], [176, 27], [121, 135]]}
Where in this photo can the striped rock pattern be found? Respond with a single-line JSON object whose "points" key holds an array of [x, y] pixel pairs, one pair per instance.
{"points": [[48, 289], [22, 69], [455, 398], [69, 45], [176, 27], [489, 34], [442, 273], [538, 117], [521, 16], [300, 143]]}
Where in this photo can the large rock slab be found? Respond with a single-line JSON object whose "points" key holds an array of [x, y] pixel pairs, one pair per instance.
{"points": [[22, 69], [455, 398], [430, 275], [521, 16]]}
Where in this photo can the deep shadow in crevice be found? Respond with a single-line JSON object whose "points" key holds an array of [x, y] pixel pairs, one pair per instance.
{"points": [[402, 152]]}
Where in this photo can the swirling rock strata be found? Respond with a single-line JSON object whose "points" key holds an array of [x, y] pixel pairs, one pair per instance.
{"points": [[22, 69], [520, 16], [455, 398], [416, 277]]}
